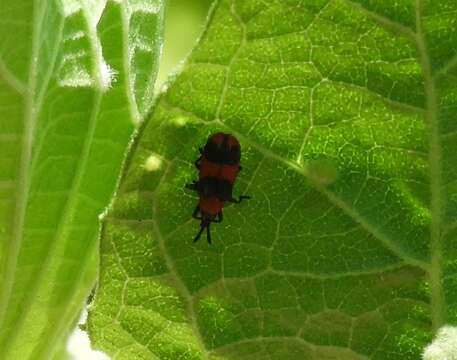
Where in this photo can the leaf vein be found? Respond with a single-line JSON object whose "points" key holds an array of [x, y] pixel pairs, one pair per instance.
{"points": [[436, 201], [185, 293], [383, 20], [11, 79]]}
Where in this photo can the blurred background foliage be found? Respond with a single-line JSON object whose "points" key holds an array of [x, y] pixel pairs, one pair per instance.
{"points": [[184, 23]]}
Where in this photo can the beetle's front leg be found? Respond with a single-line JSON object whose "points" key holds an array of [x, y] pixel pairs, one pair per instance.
{"points": [[197, 162]]}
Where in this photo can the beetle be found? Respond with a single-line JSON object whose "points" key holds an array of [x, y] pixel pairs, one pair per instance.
{"points": [[218, 166]]}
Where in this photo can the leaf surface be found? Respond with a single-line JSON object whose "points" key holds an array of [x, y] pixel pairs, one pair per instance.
{"points": [[346, 114], [75, 78]]}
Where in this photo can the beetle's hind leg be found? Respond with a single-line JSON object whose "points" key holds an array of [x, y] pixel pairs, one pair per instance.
{"points": [[219, 217], [241, 198]]}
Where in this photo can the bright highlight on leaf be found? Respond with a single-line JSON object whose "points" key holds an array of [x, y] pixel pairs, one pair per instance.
{"points": [[153, 163]]}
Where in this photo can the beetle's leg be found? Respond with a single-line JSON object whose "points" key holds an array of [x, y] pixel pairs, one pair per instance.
{"points": [[197, 162], [208, 234], [195, 213], [199, 234], [241, 198], [219, 217], [192, 186]]}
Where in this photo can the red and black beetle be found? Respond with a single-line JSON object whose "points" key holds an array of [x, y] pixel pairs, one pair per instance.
{"points": [[218, 165]]}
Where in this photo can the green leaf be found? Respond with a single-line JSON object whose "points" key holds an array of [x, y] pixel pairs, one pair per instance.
{"points": [[346, 114], [75, 78]]}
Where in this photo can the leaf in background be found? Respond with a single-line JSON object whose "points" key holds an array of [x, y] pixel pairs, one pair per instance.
{"points": [[346, 112], [185, 20], [75, 77]]}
